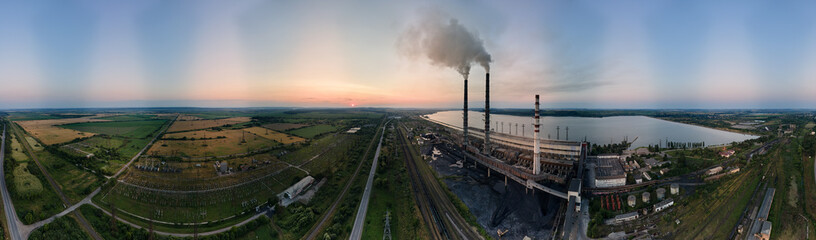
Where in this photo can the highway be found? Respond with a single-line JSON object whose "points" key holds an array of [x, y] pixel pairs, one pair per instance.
{"points": [[319, 226], [440, 215], [82, 221], [11, 214], [357, 230]]}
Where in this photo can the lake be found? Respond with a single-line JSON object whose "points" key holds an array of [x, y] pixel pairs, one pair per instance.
{"points": [[605, 130]]}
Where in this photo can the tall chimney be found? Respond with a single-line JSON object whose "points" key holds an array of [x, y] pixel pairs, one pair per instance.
{"points": [[487, 115], [465, 123], [536, 148]]}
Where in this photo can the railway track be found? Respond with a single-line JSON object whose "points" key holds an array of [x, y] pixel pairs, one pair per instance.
{"points": [[439, 213]]}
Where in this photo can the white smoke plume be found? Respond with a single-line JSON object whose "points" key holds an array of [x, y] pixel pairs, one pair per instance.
{"points": [[445, 42]]}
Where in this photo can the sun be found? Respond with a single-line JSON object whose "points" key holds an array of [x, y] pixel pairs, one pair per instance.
{"points": [[353, 105]]}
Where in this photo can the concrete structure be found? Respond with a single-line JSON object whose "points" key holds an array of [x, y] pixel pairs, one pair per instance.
{"points": [[609, 172], [298, 187], [663, 205], [761, 228], [646, 197], [623, 218], [714, 170], [661, 193], [487, 149], [674, 188], [631, 200], [536, 148], [575, 191]]}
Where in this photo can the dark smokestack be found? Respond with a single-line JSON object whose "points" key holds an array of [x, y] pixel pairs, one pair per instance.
{"points": [[536, 148], [487, 115], [465, 119]]}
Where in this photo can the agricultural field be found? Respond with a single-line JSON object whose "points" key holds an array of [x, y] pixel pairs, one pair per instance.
{"points": [[129, 117], [284, 126], [275, 135], [199, 205], [17, 150], [129, 129], [312, 131], [180, 126], [48, 132], [26, 184], [214, 143], [75, 181]]}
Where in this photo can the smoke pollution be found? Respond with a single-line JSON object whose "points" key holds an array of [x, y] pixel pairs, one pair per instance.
{"points": [[446, 43]]}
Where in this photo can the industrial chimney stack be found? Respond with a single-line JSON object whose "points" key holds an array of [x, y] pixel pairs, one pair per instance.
{"points": [[536, 148], [465, 123], [487, 115]]}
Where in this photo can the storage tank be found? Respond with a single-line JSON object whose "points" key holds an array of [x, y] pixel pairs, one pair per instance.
{"points": [[632, 200], [646, 197], [661, 193], [675, 188]]}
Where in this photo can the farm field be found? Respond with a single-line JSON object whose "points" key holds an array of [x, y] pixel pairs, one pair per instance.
{"points": [[185, 206], [216, 143], [49, 133], [274, 135], [284, 126], [17, 150], [75, 182], [312, 131], [129, 117], [180, 126], [129, 129], [26, 184]]}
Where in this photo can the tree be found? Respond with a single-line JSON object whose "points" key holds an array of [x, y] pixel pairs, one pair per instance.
{"points": [[29, 218]]}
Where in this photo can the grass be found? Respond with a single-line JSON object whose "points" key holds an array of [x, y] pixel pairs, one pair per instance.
{"points": [[49, 133], [392, 192], [65, 227], [130, 129], [274, 135], [180, 126], [17, 150], [129, 117], [75, 182], [283, 126], [714, 209], [217, 143], [26, 184], [312, 131]]}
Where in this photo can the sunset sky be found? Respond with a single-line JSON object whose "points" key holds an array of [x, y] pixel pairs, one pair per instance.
{"points": [[253, 53]]}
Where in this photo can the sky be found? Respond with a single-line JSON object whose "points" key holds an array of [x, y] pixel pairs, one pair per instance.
{"points": [[255, 53]]}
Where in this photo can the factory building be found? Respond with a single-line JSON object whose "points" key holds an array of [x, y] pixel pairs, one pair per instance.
{"points": [[609, 172], [623, 218], [663, 205], [298, 187]]}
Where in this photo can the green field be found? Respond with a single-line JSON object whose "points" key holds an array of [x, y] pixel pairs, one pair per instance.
{"points": [[75, 182], [131, 129], [392, 192], [64, 227], [17, 151], [312, 131], [129, 117], [26, 184]]}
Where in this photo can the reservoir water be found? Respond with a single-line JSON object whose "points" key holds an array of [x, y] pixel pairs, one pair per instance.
{"points": [[604, 130]]}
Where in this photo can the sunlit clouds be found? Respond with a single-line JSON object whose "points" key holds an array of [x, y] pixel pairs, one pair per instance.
{"points": [[253, 53]]}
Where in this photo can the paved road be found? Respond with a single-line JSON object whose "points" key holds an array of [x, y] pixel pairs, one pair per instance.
{"points": [[317, 227], [11, 214], [82, 221], [357, 230]]}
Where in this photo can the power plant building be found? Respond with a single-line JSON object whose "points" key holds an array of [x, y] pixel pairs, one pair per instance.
{"points": [[609, 172]]}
